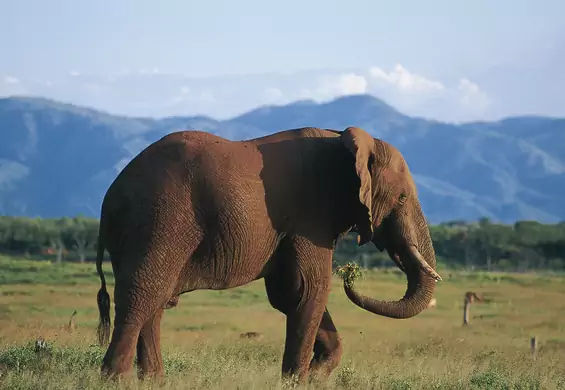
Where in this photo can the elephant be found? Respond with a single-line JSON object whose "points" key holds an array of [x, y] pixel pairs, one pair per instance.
{"points": [[196, 211]]}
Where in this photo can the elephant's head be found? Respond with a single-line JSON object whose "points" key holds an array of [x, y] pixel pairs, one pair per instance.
{"points": [[391, 218]]}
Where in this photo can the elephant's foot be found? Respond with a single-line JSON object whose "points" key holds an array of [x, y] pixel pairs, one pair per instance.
{"points": [[323, 365], [327, 355], [292, 380], [115, 372]]}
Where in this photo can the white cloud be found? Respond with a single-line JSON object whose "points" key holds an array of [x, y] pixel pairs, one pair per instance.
{"points": [[409, 92], [351, 84], [401, 78], [331, 86], [468, 86], [74, 73], [473, 100]]}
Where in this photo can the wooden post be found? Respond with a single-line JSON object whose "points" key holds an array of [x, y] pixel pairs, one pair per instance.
{"points": [[466, 312], [534, 346]]}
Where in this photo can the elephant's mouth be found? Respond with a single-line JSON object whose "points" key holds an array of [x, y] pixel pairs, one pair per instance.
{"points": [[393, 253], [394, 256], [408, 251], [416, 258]]}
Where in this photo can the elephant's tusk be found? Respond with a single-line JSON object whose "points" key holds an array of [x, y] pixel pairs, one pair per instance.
{"points": [[417, 256]]}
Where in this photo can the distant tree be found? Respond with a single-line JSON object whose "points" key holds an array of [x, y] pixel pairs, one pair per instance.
{"points": [[84, 233], [55, 230]]}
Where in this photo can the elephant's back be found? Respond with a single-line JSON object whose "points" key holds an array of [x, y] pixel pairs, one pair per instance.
{"points": [[191, 168], [187, 154]]}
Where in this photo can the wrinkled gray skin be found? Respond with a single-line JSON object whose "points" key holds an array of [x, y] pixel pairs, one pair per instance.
{"points": [[195, 211]]}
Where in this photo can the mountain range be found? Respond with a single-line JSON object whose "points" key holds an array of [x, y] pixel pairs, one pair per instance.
{"points": [[58, 159]]}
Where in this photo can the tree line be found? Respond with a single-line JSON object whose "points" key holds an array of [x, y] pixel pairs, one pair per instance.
{"points": [[59, 239], [484, 245]]}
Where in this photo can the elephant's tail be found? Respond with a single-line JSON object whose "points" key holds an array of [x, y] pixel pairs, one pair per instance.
{"points": [[103, 297]]}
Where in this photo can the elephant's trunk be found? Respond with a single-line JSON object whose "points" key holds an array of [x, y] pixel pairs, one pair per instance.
{"points": [[421, 275], [418, 294]]}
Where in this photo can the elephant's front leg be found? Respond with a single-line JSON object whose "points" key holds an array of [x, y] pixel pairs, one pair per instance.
{"points": [[301, 328], [308, 272], [327, 347]]}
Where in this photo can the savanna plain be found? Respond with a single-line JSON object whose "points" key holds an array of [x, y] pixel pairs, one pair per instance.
{"points": [[203, 348]]}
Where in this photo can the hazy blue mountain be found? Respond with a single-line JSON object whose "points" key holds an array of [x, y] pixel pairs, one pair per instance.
{"points": [[58, 159]]}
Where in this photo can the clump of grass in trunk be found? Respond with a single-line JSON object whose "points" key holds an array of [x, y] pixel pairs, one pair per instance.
{"points": [[349, 272]]}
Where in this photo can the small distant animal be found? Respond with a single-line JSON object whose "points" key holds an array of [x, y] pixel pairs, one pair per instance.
{"points": [[251, 335], [71, 325], [40, 344], [471, 297]]}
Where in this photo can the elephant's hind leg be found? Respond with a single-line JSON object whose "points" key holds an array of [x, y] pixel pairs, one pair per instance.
{"points": [[149, 359], [327, 347], [118, 359], [138, 314]]}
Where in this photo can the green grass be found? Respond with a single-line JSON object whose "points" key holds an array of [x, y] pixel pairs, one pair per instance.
{"points": [[202, 347]]}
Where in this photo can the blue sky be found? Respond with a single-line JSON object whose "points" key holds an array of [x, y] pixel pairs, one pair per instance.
{"points": [[449, 60]]}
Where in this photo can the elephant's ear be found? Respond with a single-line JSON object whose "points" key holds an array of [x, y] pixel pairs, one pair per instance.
{"points": [[361, 145]]}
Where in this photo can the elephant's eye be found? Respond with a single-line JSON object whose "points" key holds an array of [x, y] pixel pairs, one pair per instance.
{"points": [[402, 198]]}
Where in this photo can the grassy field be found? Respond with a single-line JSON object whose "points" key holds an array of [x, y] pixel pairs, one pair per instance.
{"points": [[202, 347]]}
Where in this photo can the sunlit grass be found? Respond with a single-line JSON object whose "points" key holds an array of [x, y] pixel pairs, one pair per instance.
{"points": [[202, 347]]}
